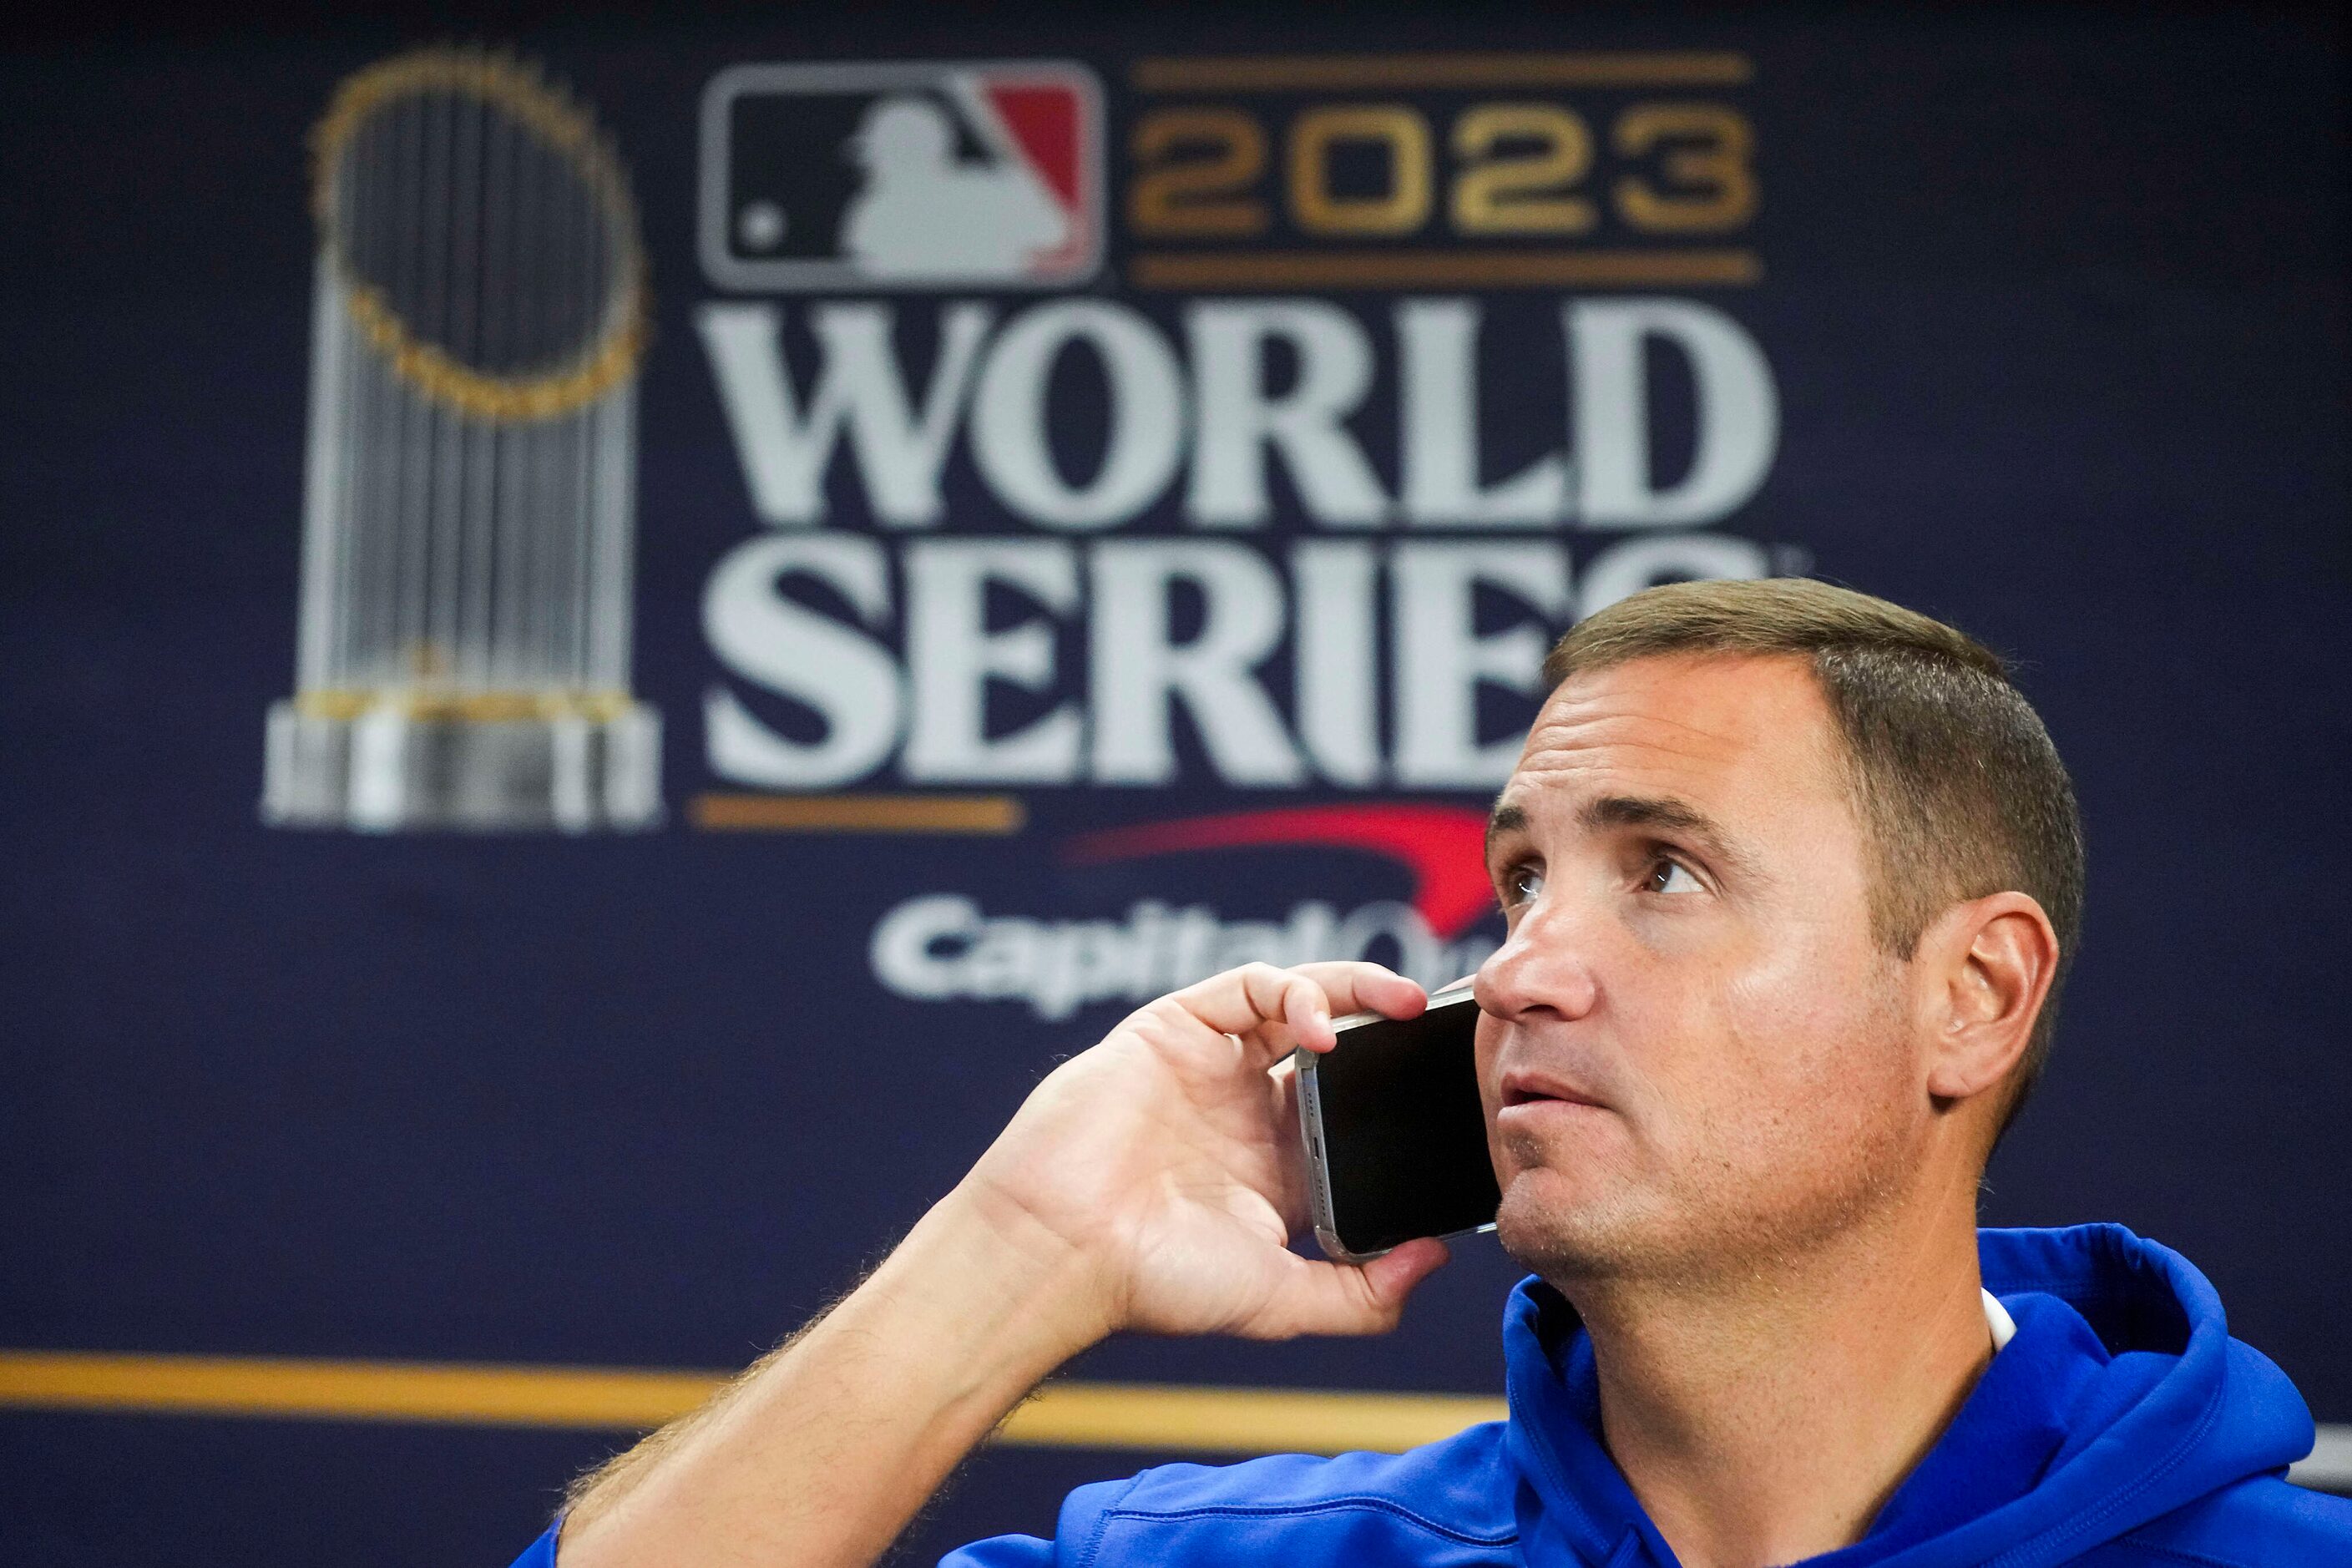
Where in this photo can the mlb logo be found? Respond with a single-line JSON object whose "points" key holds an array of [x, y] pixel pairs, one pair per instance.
{"points": [[902, 175]]}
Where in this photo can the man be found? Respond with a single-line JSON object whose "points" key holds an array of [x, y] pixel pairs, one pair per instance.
{"points": [[1790, 877]]}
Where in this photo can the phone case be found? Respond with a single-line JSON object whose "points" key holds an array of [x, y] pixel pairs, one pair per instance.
{"points": [[1310, 1133]]}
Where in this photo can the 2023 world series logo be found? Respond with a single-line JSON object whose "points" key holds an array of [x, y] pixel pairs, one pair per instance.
{"points": [[1379, 390], [1273, 459], [1254, 426]]}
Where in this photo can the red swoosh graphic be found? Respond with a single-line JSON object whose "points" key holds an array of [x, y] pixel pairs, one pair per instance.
{"points": [[1444, 847]]}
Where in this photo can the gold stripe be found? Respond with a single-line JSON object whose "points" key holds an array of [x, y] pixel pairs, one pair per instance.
{"points": [[1239, 1420], [1277, 73], [1444, 268], [1142, 1416], [463, 707], [350, 1390], [974, 814]]}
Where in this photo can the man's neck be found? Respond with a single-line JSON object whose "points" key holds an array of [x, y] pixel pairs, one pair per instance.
{"points": [[1768, 1419]]}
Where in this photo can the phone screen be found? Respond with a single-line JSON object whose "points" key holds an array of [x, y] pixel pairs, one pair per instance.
{"points": [[1402, 1137]]}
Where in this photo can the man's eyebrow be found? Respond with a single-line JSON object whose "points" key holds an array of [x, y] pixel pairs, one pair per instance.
{"points": [[1646, 811], [1667, 814], [1662, 813], [1502, 819]]}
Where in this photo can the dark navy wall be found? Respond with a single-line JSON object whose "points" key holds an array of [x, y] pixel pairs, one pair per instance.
{"points": [[2055, 303]]}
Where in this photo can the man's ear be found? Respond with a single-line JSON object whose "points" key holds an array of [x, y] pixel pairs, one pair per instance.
{"points": [[1986, 967]]}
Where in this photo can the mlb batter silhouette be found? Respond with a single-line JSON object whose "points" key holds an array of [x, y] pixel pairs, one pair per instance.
{"points": [[922, 212]]}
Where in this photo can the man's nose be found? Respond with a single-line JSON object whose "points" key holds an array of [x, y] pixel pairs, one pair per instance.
{"points": [[1544, 966]]}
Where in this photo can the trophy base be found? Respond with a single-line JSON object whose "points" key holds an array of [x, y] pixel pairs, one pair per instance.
{"points": [[389, 771]]}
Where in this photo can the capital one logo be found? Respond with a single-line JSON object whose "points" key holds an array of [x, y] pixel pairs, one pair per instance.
{"points": [[902, 175], [944, 947]]}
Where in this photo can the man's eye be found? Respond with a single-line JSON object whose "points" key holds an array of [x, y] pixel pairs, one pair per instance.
{"points": [[1521, 885], [1671, 876]]}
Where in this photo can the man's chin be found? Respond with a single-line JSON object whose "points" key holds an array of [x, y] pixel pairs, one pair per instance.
{"points": [[1566, 1225]]}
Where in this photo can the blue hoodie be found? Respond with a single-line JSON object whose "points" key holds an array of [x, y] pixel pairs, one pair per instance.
{"points": [[2121, 1425]]}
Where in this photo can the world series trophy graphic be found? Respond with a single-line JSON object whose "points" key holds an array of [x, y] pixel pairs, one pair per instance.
{"points": [[479, 314]]}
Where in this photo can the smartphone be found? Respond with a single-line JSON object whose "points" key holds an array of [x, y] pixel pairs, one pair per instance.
{"points": [[1396, 1138]]}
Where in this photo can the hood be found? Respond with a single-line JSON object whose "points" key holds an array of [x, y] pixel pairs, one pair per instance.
{"points": [[2120, 1398]]}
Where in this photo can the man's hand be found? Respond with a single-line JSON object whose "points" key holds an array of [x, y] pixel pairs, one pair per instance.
{"points": [[1151, 1182], [1168, 1158]]}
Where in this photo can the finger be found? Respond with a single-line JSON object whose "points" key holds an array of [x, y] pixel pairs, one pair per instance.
{"points": [[1353, 986], [1243, 1001], [1306, 1013], [1279, 1040], [1396, 1274], [1237, 1000], [1346, 988], [1346, 1299]]}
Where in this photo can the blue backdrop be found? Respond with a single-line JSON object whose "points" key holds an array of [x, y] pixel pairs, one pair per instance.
{"points": [[2048, 310]]}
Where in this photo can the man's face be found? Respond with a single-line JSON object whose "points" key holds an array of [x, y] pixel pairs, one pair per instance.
{"points": [[1694, 1053]]}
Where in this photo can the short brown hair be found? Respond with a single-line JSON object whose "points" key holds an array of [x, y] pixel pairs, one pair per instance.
{"points": [[1958, 787]]}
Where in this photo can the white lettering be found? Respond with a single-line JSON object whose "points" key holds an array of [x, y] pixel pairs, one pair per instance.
{"points": [[905, 952], [1437, 394], [1441, 658], [951, 655], [900, 431], [1337, 661], [859, 389], [1138, 667], [1237, 423], [940, 947], [1146, 401], [1737, 411], [844, 675]]}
